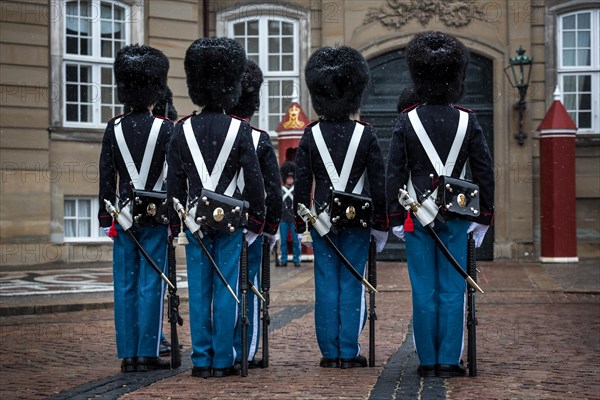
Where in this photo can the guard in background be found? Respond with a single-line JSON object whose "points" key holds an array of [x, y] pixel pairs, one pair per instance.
{"points": [[437, 64], [133, 155], [247, 105], [213, 68], [336, 79], [287, 226]]}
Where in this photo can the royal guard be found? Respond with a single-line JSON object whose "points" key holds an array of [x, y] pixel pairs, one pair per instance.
{"points": [[432, 142], [247, 105], [132, 177], [208, 151], [342, 158]]}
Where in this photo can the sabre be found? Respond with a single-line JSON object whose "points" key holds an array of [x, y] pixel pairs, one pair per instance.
{"points": [[323, 230], [195, 229], [124, 220], [425, 215]]}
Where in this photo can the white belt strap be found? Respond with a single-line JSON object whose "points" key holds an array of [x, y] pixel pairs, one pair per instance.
{"points": [[340, 181], [139, 178], [241, 183], [211, 180], [288, 193], [431, 152]]}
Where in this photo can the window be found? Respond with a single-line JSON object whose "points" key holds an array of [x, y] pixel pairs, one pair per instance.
{"points": [[579, 67], [272, 43], [93, 33], [80, 222]]}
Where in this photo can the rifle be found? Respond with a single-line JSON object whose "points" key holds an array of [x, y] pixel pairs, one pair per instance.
{"points": [[266, 287], [244, 304], [173, 308], [426, 217], [323, 230], [471, 317], [195, 229], [372, 276], [125, 221]]}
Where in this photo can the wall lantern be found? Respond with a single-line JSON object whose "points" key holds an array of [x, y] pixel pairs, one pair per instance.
{"points": [[518, 73]]}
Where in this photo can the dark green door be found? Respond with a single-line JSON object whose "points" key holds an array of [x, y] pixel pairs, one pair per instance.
{"points": [[389, 76]]}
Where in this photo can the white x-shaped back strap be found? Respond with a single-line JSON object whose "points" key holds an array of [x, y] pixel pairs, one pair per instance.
{"points": [[431, 152], [210, 181], [340, 181], [255, 138], [288, 193], [139, 178]]}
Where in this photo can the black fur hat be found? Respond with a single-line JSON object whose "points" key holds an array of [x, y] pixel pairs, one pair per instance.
{"points": [[336, 79], [437, 63], [213, 67], [141, 75], [249, 101], [164, 107]]}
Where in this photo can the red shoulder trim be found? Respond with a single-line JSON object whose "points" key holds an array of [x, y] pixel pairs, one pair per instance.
{"points": [[116, 116], [407, 109], [362, 122], [236, 117], [180, 120], [259, 130], [464, 109]]}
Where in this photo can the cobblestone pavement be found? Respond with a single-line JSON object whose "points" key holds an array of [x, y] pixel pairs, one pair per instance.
{"points": [[538, 338]]}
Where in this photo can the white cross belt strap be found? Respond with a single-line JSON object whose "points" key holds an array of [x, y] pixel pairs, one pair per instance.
{"points": [[240, 181], [139, 178], [340, 181], [288, 193], [210, 181], [431, 152]]}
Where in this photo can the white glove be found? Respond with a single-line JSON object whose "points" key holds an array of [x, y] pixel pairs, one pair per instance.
{"points": [[250, 236], [398, 231], [305, 244], [479, 231], [272, 240], [381, 238], [105, 230]]}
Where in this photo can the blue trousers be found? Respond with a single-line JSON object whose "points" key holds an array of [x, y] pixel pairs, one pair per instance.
{"points": [[340, 307], [284, 228], [139, 291], [254, 268], [438, 291], [213, 310]]}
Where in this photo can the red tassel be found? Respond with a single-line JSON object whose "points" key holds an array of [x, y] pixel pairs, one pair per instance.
{"points": [[112, 232], [408, 223]]}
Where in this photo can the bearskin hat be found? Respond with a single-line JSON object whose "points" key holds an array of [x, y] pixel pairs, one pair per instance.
{"points": [[141, 75], [164, 107], [336, 79], [249, 101], [407, 98], [437, 64], [213, 68], [288, 168]]}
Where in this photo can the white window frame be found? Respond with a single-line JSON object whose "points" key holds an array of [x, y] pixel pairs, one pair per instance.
{"points": [[301, 47], [95, 234], [593, 69], [133, 33]]}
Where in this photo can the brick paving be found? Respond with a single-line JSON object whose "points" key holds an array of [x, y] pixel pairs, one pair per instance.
{"points": [[538, 338]]}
